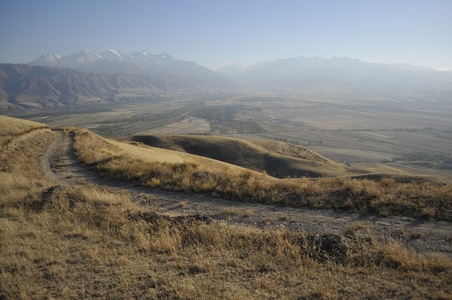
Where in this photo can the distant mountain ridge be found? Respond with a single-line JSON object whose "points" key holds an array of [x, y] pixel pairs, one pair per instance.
{"points": [[161, 65], [141, 62], [109, 76], [35, 87], [78, 59], [89, 77], [28, 87], [338, 72]]}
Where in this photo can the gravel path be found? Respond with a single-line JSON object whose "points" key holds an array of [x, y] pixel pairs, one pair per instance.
{"points": [[60, 165]]}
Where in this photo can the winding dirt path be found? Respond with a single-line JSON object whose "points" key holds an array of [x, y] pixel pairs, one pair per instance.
{"points": [[60, 165]]}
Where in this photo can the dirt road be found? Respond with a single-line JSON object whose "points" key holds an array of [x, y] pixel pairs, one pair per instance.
{"points": [[60, 165]]}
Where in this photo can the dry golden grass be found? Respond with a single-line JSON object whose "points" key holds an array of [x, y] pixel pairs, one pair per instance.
{"points": [[384, 196], [87, 241], [12, 127], [93, 242], [276, 158], [93, 149]]}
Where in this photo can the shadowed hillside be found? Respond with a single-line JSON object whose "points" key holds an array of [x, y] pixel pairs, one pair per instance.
{"points": [[276, 158]]}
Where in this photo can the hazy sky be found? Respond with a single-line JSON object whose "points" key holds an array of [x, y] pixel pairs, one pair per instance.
{"points": [[217, 33]]}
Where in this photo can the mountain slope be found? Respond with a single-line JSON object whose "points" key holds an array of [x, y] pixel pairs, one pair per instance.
{"points": [[27, 87], [24, 86]]}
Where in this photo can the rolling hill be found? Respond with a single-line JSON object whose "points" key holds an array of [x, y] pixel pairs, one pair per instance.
{"points": [[63, 236], [276, 158]]}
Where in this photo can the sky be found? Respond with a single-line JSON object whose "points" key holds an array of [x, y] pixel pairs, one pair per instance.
{"points": [[216, 33]]}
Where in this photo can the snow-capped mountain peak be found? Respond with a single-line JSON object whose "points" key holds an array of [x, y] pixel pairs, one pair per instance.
{"points": [[114, 52], [90, 55], [141, 54], [140, 62], [53, 57], [47, 60], [78, 59], [111, 54]]}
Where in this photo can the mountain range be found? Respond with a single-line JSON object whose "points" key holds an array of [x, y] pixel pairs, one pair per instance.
{"points": [[89, 77], [338, 72], [27, 87], [111, 61]]}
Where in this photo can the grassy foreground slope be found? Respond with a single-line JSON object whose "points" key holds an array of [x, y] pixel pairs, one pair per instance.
{"points": [[384, 197], [13, 127], [276, 158], [87, 241]]}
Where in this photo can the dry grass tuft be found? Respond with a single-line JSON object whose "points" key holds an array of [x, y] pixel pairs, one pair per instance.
{"points": [[92, 148], [182, 204], [230, 211]]}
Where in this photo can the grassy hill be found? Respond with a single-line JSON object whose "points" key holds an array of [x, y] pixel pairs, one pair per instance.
{"points": [[179, 171], [275, 158], [88, 241], [13, 127]]}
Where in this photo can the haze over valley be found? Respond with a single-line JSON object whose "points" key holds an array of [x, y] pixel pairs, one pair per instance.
{"points": [[350, 111]]}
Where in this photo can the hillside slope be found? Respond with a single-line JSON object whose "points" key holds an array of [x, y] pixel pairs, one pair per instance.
{"points": [[34, 87], [276, 158], [13, 128], [24, 86]]}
